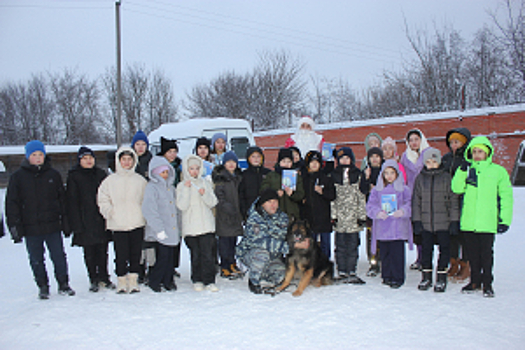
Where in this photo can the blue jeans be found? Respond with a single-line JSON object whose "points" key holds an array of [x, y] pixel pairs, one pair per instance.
{"points": [[325, 242], [55, 247]]}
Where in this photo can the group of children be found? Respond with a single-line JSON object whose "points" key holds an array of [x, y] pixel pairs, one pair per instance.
{"points": [[150, 202]]}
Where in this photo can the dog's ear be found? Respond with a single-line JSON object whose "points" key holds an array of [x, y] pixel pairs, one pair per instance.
{"points": [[291, 221]]}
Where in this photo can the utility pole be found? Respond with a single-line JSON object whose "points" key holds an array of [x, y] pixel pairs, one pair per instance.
{"points": [[119, 76]]}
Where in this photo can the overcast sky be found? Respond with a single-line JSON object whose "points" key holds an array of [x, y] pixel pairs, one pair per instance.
{"points": [[195, 41]]}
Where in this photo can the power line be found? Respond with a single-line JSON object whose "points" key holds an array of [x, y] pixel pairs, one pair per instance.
{"points": [[315, 44]]}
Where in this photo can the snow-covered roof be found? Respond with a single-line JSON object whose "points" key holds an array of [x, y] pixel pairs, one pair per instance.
{"points": [[193, 128], [17, 150], [405, 118]]}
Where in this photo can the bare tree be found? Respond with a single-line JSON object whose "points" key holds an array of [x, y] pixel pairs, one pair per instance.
{"points": [[160, 103], [134, 95]]}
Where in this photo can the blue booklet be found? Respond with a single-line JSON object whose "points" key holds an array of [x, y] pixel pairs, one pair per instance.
{"points": [[289, 179], [208, 168], [389, 203], [328, 151]]}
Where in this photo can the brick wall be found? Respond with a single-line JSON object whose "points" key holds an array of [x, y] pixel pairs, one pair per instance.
{"points": [[506, 146]]}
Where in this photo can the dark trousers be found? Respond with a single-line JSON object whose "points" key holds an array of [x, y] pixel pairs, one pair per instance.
{"points": [[457, 247], [96, 260], [202, 259], [176, 256], [163, 271], [128, 247], [227, 251], [481, 257], [442, 238], [393, 261], [325, 242], [55, 246], [347, 251]]}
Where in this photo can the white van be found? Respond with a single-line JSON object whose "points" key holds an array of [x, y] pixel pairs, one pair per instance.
{"points": [[238, 132]]}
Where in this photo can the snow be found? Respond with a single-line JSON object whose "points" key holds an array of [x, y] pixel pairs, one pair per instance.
{"points": [[50, 149], [331, 317], [475, 112]]}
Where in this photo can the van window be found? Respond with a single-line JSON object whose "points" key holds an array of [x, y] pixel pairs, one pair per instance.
{"points": [[239, 145]]}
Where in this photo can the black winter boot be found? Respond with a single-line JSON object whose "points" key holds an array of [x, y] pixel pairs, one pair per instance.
{"points": [[441, 281], [426, 280], [43, 290], [65, 289], [254, 288]]}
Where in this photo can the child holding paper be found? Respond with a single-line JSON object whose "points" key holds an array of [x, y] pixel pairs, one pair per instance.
{"points": [[289, 198]]}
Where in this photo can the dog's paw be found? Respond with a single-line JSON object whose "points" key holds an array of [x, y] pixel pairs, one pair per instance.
{"points": [[297, 293]]}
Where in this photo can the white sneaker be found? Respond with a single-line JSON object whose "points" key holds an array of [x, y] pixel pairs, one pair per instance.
{"points": [[198, 286], [212, 287]]}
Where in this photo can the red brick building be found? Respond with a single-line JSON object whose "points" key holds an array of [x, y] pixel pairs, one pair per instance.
{"points": [[505, 126]]}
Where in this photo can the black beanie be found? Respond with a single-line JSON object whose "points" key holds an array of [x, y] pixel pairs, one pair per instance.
{"points": [[285, 153], [166, 145], [296, 149], [345, 151], [311, 156], [267, 195], [375, 150], [85, 151], [414, 131], [203, 141], [253, 149]]}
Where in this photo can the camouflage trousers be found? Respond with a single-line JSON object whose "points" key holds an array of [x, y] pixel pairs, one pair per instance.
{"points": [[264, 266]]}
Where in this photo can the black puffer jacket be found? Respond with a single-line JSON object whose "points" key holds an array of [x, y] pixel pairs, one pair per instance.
{"points": [[433, 202], [36, 200], [250, 186], [317, 206], [451, 161], [228, 218], [142, 166], [88, 225]]}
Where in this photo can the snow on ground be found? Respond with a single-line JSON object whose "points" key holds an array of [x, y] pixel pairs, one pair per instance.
{"points": [[331, 317]]}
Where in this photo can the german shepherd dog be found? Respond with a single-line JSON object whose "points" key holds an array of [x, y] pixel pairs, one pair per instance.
{"points": [[309, 263]]}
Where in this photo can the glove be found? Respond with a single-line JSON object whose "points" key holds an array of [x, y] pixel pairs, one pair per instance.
{"points": [[162, 235], [472, 178], [464, 165], [398, 213], [453, 228], [502, 228], [16, 234], [418, 228], [382, 215]]}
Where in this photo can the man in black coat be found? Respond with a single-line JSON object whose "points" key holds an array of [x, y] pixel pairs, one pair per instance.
{"points": [[88, 225], [252, 179], [35, 209]]}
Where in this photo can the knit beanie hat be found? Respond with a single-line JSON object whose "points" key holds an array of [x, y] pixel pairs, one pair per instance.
{"points": [[390, 142], [254, 149], [457, 136], [139, 136], [482, 147], [345, 151], [34, 146], [266, 195], [166, 145], [375, 150], [296, 149], [217, 136], [161, 168], [311, 156], [432, 153], [85, 151], [202, 141], [285, 153], [230, 155]]}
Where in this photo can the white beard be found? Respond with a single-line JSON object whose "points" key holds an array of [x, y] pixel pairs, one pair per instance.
{"points": [[306, 141]]}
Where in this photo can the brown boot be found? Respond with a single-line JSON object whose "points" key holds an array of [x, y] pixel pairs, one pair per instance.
{"points": [[464, 272], [454, 267]]}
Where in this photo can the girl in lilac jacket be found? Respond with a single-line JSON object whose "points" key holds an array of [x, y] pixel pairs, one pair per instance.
{"points": [[389, 205]]}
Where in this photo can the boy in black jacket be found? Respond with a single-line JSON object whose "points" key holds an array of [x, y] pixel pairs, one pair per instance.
{"points": [[35, 209], [252, 179], [319, 192], [369, 177]]}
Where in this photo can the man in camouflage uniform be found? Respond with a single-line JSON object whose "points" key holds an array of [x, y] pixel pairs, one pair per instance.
{"points": [[264, 242]]}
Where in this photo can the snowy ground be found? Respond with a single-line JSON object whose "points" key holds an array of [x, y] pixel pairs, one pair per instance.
{"points": [[332, 317]]}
